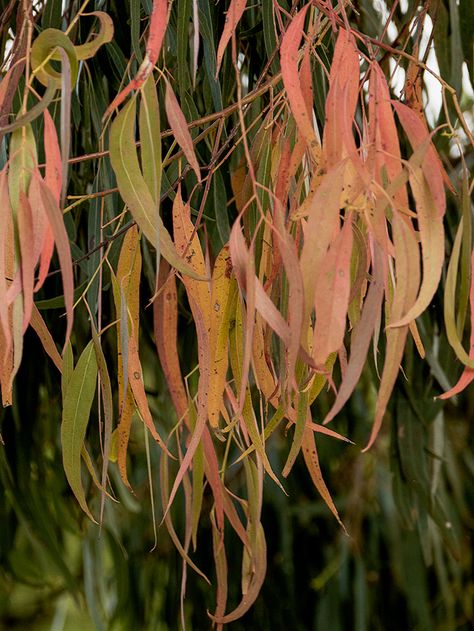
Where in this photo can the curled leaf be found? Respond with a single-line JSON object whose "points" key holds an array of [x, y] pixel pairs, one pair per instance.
{"points": [[41, 55]]}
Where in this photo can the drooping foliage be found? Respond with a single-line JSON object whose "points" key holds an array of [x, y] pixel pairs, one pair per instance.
{"points": [[227, 232]]}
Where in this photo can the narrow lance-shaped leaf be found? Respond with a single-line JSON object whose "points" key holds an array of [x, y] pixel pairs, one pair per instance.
{"points": [[289, 256], [26, 238], [245, 411], [54, 181], [303, 416], [134, 190], [385, 135], [291, 81], [158, 25], [430, 223], [312, 462], [5, 214], [362, 334], [259, 562], [450, 301], [39, 325], [269, 312], [34, 111], [323, 219], [224, 295], [180, 129], [76, 410], [165, 326], [332, 296], [407, 283], [106, 389], [234, 13], [165, 313], [139, 394], [341, 102], [61, 240], [433, 170], [220, 561], [468, 373], [149, 124]]}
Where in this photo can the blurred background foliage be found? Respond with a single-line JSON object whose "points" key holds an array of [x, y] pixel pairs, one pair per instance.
{"points": [[407, 503]]}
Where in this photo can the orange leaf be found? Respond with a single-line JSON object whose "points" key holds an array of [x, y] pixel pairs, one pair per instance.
{"points": [[332, 296], [310, 454], [224, 291], [165, 317], [433, 170], [291, 81], [341, 102], [53, 171], [430, 223], [138, 388], [384, 135], [263, 303], [127, 299], [407, 283], [165, 325], [322, 224]]}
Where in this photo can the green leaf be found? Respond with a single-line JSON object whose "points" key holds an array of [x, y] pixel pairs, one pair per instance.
{"points": [[149, 123], [77, 403], [135, 29], [43, 47], [134, 189]]}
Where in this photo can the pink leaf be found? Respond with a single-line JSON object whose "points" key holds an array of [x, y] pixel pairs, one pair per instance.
{"points": [[180, 129], [234, 13], [158, 24]]}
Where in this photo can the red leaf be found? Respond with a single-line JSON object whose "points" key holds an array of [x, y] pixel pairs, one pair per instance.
{"points": [[158, 24], [291, 81], [26, 238], [61, 239], [341, 102], [384, 135], [433, 170], [234, 13], [5, 220], [53, 179]]}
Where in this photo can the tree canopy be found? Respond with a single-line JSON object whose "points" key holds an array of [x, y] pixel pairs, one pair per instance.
{"points": [[236, 314]]}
